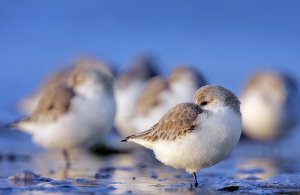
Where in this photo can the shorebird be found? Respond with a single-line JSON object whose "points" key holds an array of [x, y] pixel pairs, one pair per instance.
{"points": [[197, 135], [161, 94], [269, 105], [29, 103], [74, 113], [129, 86]]}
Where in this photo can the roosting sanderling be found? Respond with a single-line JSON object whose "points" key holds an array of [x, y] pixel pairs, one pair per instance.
{"points": [[77, 112], [161, 94], [197, 135], [269, 105], [129, 86], [28, 104]]}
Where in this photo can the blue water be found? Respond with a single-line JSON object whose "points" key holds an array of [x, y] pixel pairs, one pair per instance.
{"points": [[251, 168], [226, 40]]}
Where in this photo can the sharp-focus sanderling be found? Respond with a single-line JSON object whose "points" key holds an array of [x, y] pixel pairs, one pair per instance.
{"points": [[197, 135]]}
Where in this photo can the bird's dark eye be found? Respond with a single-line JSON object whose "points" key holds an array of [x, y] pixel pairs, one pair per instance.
{"points": [[203, 103]]}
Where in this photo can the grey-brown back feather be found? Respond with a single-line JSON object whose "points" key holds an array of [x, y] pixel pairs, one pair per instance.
{"points": [[150, 97], [177, 122], [54, 102]]}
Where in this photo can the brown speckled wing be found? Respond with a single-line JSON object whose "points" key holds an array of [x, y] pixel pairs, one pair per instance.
{"points": [[54, 102], [179, 121], [150, 95], [59, 76]]}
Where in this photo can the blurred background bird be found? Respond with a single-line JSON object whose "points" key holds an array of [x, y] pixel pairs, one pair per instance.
{"points": [[27, 104], [270, 105], [161, 94], [129, 86], [75, 112]]}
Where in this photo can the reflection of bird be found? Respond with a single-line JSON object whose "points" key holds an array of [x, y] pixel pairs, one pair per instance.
{"points": [[75, 113], [161, 94], [193, 136], [260, 167], [128, 87], [48, 164], [269, 105]]}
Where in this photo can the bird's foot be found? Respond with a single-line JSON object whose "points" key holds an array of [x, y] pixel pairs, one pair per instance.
{"points": [[196, 184]]}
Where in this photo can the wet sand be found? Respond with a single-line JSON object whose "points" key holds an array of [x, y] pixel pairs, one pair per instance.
{"points": [[251, 168]]}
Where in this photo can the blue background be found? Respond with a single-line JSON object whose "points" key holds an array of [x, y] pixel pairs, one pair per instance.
{"points": [[226, 40]]}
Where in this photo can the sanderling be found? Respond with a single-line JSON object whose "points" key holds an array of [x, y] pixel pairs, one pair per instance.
{"points": [[75, 113], [129, 86], [269, 105], [197, 135], [28, 104], [162, 94]]}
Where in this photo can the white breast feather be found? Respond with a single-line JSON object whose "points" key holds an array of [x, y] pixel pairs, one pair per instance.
{"points": [[260, 119], [87, 121], [126, 101], [210, 143]]}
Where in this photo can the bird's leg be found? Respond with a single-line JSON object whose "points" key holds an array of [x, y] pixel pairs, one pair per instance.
{"points": [[195, 178], [67, 158]]}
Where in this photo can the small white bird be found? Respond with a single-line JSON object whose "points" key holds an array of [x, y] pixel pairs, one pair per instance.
{"points": [[28, 104], [76, 113], [269, 105], [161, 94], [129, 86], [193, 136]]}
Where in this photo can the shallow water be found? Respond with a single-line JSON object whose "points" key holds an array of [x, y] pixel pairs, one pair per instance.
{"points": [[251, 168]]}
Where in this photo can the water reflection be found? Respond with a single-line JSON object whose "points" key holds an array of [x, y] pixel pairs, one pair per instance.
{"points": [[259, 168], [51, 164], [133, 173]]}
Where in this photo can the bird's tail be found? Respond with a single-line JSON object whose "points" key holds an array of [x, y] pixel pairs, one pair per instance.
{"points": [[137, 136], [125, 140], [140, 139], [16, 124]]}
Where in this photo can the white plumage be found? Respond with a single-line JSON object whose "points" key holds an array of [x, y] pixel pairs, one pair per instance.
{"points": [[75, 112], [193, 136], [211, 141], [90, 117], [126, 99], [180, 89], [269, 105]]}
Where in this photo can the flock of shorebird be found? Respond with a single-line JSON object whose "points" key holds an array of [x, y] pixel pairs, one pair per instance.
{"points": [[188, 123]]}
